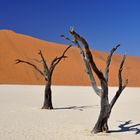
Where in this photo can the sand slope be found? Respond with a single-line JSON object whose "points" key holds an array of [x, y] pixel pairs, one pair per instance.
{"points": [[76, 111], [69, 72]]}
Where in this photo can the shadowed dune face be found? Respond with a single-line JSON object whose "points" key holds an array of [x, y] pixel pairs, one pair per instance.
{"points": [[69, 72]]}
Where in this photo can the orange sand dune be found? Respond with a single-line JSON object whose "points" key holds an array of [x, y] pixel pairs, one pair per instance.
{"points": [[69, 72]]}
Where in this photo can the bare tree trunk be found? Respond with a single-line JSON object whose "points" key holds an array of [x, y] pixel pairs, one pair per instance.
{"points": [[102, 122], [47, 97]]}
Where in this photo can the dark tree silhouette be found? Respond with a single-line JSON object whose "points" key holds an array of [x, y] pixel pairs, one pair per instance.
{"points": [[90, 65], [47, 75]]}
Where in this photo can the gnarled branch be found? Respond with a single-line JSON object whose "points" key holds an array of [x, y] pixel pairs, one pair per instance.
{"points": [[56, 60], [108, 60], [46, 69], [87, 66], [34, 66], [89, 72], [120, 86], [77, 37], [65, 37]]}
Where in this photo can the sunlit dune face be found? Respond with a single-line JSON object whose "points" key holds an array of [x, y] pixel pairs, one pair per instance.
{"points": [[70, 71]]}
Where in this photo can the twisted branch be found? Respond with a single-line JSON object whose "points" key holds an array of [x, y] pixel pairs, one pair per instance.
{"points": [[108, 60], [34, 66], [56, 60], [87, 66], [46, 69], [88, 54], [120, 86]]}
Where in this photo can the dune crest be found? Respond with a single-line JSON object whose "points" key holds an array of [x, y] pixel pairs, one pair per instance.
{"points": [[69, 72]]}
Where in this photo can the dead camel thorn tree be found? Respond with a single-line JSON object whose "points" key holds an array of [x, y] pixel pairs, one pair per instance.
{"points": [[47, 75], [105, 106]]}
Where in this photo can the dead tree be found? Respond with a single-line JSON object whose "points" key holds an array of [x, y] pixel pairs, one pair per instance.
{"points": [[47, 75], [90, 65]]}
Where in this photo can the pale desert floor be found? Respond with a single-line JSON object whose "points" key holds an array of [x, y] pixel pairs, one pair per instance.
{"points": [[76, 111]]}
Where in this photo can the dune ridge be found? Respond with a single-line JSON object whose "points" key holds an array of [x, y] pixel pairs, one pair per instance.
{"points": [[71, 71]]}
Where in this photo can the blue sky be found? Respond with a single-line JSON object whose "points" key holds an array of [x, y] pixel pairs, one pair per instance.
{"points": [[104, 23]]}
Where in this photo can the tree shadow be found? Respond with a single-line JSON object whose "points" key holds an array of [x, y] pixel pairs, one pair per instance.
{"points": [[80, 108], [124, 128]]}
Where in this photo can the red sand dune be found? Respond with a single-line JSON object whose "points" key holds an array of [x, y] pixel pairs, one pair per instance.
{"points": [[69, 72]]}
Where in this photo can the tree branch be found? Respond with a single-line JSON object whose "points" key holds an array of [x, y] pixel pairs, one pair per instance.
{"points": [[120, 87], [120, 72], [46, 69], [77, 37], [34, 66], [56, 60], [89, 71], [63, 36], [87, 66], [108, 60]]}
